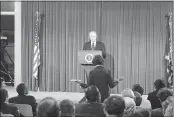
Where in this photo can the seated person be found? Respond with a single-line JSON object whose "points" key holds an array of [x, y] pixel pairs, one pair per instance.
{"points": [[128, 93], [6, 108], [130, 107], [24, 98], [144, 103], [152, 97], [67, 108], [162, 94], [114, 106], [92, 107], [48, 107]]}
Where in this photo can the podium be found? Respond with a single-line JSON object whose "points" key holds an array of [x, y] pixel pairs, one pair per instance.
{"points": [[85, 58]]}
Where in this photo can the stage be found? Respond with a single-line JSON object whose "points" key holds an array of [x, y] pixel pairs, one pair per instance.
{"points": [[73, 96]]}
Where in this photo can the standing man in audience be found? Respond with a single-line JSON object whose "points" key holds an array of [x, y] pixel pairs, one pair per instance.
{"points": [[101, 78], [93, 44]]}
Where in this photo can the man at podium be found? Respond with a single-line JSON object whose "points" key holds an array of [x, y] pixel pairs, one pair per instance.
{"points": [[93, 44]]}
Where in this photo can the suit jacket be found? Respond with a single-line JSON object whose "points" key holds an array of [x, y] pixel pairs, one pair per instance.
{"points": [[10, 109], [158, 112], [25, 99], [89, 110], [101, 78], [99, 46], [155, 102]]}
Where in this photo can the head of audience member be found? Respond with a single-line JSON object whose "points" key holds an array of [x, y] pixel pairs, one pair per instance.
{"points": [[92, 36], [98, 60], [4, 95], [163, 94], [67, 108], [128, 93], [138, 98], [130, 107], [48, 107], [92, 94], [22, 89], [138, 88], [114, 105], [158, 84]]}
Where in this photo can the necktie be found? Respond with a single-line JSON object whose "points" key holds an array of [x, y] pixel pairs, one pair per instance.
{"points": [[93, 46]]}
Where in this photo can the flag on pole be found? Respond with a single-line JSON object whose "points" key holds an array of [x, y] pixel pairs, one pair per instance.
{"points": [[36, 52], [168, 52]]}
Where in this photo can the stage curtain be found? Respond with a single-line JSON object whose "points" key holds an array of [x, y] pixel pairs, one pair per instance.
{"points": [[133, 33]]}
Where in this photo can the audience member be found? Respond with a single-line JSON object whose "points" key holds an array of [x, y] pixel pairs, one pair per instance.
{"points": [[138, 98], [144, 103], [67, 108], [152, 97], [128, 93], [23, 97], [130, 107], [162, 94], [92, 107], [101, 77], [48, 107], [114, 106], [169, 109], [6, 108]]}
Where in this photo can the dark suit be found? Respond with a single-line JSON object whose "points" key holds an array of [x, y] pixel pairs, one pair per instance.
{"points": [[89, 110], [155, 102], [25, 99], [99, 46], [158, 112], [101, 78], [10, 109]]}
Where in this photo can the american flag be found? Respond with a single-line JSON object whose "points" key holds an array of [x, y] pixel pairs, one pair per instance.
{"points": [[36, 54], [168, 52]]}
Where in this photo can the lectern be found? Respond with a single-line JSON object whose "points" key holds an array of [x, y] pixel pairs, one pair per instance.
{"points": [[85, 58]]}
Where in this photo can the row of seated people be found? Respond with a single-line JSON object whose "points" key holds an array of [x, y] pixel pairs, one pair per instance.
{"points": [[129, 104]]}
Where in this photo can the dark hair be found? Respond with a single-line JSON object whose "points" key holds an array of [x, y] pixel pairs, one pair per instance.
{"points": [[138, 88], [159, 84], [4, 95], [67, 107], [48, 107], [114, 105], [97, 60], [164, 93], [22, 89], [92, 94], [138, 98]]}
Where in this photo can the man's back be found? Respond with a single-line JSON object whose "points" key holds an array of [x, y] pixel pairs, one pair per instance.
{"points": [[25, 100], [92, 109], [101, 78], [10, 109]]}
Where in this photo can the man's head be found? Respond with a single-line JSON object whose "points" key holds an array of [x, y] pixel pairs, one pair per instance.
{"points": [[93, 36], [138, 98], [92, 94], [138, 88], [128, 93], [164, 93], [48, 107], [98, 60], [22, 89], [114, 105], [158, 84], [130, 107], [67, 108], [3, 95]]}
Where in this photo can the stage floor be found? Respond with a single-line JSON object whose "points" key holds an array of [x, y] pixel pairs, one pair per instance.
{"points": [[73, 96]]}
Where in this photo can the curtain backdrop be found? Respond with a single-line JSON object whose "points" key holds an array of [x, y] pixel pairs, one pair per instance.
{"points": [[134, 34]]}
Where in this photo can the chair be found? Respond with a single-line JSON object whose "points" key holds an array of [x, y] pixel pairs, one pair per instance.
{"points": [[25, 110]]}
